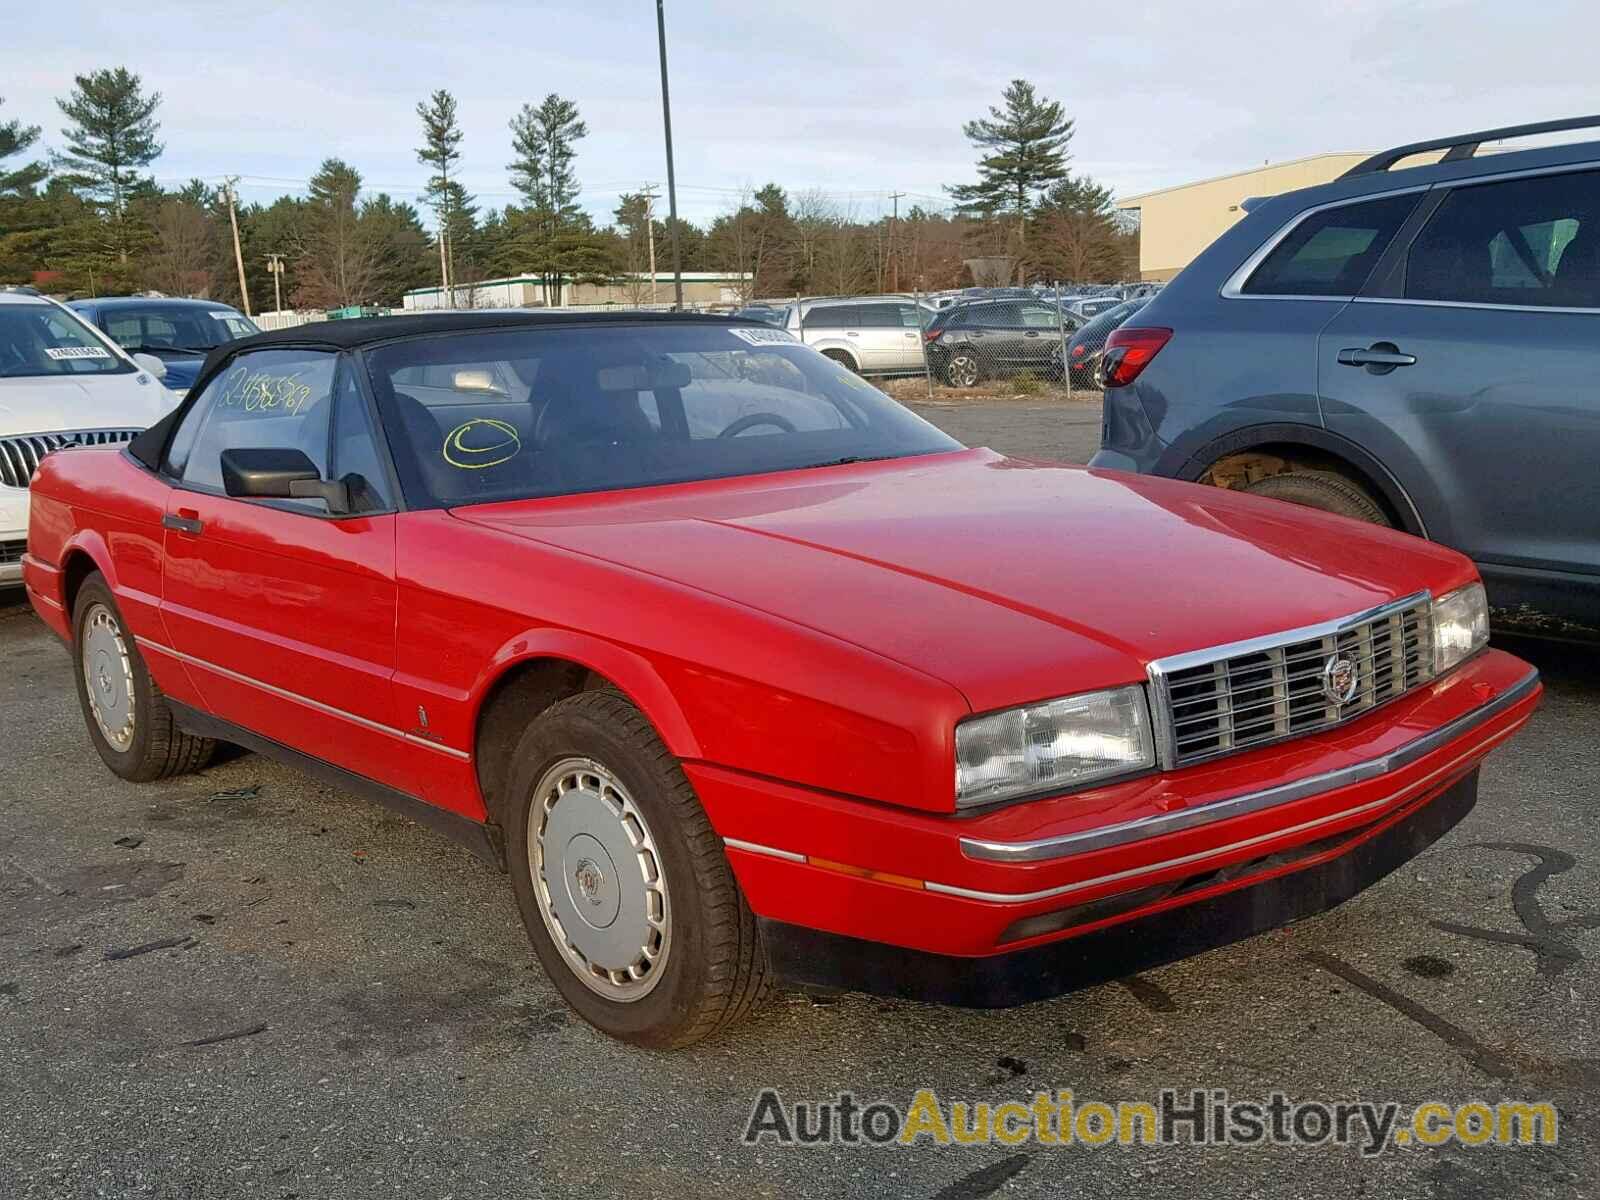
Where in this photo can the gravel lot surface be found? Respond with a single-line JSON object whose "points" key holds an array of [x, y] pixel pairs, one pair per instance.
{"points": [[243, 983]]}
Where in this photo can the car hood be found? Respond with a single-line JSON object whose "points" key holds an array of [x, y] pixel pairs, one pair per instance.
{"points": [[50, 405], [1011, 580]]}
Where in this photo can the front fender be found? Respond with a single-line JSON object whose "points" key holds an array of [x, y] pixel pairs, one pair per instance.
{"points": [[630, 671]]}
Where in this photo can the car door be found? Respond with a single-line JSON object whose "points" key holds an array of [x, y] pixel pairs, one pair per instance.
{"points": [[884, 341], [1039, 349], [1469, 367], [283, 611], [907, 353], [996, 332]]}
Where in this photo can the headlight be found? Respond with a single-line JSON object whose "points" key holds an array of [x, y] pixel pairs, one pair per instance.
{"points": [[1460, 626], [1055, 745]]}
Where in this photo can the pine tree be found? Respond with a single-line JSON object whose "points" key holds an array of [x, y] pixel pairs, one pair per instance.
{"points": [[15, 137], [1025, 145], [111, 139], [441, 150], [553, 230]]}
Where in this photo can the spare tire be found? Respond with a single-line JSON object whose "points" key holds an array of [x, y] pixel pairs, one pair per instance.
{"points": [[1323, 490]]}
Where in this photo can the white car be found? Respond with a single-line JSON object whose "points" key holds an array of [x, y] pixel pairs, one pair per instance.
{"points": [[62, 383]]}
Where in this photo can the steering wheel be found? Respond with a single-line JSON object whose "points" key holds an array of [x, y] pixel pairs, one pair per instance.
{"points": [[751, 420]]}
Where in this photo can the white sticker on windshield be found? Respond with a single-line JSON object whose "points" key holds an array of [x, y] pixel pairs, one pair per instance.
{"points": [[764, 337], [60, 352]]}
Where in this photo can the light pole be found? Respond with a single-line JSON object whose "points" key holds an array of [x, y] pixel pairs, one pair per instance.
{"points": [[672, 187]]}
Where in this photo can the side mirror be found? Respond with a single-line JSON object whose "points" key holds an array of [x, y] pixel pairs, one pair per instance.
{"points": [[279, 473], [151, 363]]}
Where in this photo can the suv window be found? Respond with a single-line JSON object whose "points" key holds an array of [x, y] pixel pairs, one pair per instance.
{"points": [[833, 316], [1532, 241], [997, 316], [272, 398], [1332, 252], [1038, 316], [879, 316]]}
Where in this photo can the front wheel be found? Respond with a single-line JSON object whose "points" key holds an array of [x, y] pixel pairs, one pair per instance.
{"points": [[129, 720], [623, 884]]}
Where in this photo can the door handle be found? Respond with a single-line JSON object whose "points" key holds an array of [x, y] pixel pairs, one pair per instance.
{"points": [[1380, 358], [851, 333], [1031, 333], [183, 521]]}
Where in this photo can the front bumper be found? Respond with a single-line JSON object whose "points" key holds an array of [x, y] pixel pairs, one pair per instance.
{"points": [[812, 957], [1043, 872], [13, 533]]}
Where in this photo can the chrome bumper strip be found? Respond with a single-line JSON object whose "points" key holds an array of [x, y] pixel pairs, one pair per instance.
{"points": [[296, 698], [1069, 844]]}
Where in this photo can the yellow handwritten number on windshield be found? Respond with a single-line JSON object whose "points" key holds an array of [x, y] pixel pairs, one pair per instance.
{"points": [[495, 442]]}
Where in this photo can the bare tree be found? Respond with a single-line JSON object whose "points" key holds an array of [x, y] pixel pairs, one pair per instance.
{"points": [[179, 260], [844, 267]]}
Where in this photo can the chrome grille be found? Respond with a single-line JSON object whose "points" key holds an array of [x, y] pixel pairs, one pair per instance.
{"points": [[20, 454], [1220, 701]]}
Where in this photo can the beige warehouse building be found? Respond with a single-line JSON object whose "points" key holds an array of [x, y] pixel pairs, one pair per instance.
{"points": [[1176, 223]]}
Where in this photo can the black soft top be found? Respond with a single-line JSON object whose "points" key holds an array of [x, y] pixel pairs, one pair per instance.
{"points": [[369, 331], [357, 332]]}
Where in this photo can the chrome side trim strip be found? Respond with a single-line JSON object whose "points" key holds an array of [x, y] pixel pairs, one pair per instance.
{"points": [[296, 698], [1216, 851], [1067, 845], [769, 851]]}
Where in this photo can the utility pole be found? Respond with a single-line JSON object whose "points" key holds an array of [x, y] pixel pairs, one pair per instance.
{"points": [[275, 265], [445, 299], [672, 187], [648, 193], [894, 263], [238, 255]]}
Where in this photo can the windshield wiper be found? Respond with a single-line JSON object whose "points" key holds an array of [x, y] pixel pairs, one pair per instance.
{"points": [[848, 459]]}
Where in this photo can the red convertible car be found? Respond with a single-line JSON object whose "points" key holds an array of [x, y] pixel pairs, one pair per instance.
{"points": [[744, 672]]}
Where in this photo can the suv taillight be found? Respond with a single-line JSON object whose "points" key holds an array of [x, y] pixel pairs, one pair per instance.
{"points": [[931, 335], [1128, 352]]}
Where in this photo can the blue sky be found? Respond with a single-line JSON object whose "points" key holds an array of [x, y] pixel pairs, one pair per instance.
{"points": [[856, 98]]}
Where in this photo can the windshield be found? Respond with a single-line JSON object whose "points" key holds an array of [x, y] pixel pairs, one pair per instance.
{"points": [[545, 412], [40, 339], [160, 328]]}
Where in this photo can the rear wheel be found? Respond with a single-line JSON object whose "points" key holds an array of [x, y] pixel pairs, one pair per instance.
{"points": [[129, 720], [843, 359], [623, 885], [1323, 490]]}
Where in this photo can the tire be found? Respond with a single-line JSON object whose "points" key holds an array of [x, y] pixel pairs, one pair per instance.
{"points": [[130, 723], [843, 359], [963, 370], [633, 809], [1323, 490]]}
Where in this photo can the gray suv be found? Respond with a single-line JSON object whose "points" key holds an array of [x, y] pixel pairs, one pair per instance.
{"points": [[1414, 346]]}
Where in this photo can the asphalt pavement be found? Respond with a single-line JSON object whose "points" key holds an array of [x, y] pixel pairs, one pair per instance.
{"points": [[246, 984]]}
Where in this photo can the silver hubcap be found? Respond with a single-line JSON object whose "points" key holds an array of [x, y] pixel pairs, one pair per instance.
{"points": [[963, 372], [108, 677], [597, 876]]}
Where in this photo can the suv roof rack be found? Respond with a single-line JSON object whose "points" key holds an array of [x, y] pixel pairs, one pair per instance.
{"points": [[1465, 145]]}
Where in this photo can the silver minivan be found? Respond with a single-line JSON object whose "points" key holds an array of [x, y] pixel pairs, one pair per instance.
{"points": [[872, 335]]}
